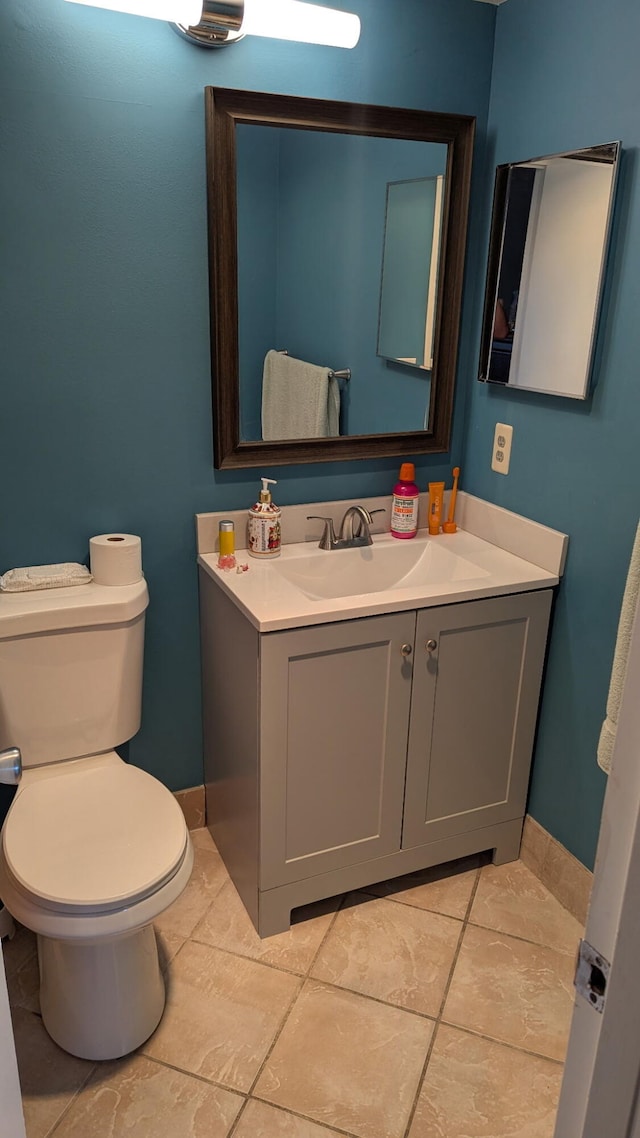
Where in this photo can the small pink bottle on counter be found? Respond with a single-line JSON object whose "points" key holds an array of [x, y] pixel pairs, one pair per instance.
{"points": [[404, 508]]}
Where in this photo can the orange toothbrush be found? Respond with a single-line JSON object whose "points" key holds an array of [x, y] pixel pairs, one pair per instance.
{"points": [[450, 526]]}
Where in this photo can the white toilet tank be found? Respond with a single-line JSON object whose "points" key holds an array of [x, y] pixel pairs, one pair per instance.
{"points": [[71, 670]]}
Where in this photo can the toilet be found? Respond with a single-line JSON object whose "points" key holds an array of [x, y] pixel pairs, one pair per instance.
{"points": [[92, 849]]}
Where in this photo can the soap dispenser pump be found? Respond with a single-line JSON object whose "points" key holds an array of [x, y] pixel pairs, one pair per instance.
{"points": [[263, 526]]}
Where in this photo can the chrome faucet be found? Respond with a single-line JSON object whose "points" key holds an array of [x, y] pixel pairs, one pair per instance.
{"points": [[354, 529]]}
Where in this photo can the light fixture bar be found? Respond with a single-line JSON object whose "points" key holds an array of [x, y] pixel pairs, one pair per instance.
{"points": [[174, 11], [216, 22], [306, 23]]}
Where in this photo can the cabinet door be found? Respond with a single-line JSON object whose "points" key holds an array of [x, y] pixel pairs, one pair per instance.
{"points": [[334, 710], [473, 714]]}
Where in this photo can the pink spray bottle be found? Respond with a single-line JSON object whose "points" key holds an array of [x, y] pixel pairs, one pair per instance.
{"points": [[404, 508]]}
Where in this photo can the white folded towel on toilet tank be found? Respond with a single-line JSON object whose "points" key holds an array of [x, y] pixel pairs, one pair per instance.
{"points": [[299, 400], [620, 656], [44, 577]]}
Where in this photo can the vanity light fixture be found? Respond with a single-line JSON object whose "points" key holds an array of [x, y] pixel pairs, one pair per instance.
{"points": [[214, 23]]}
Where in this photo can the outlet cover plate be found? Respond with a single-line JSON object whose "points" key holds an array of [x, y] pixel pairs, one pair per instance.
{"points": [[501, 454]]}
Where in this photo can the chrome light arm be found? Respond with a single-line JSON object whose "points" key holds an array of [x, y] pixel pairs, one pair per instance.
{"points": [[220, 23]]}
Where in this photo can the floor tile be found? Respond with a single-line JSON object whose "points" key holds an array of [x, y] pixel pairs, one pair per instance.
{"points": [[138, 1097], [23, 984], [202, 840], [49, 1077], [392, 952], [207, 879], [169, 944], [510, 898], [343, 1063], [259, 1120], [221, 1016], [480, 1089], [17, 951], [21, 968], [227, 925], [347, 1062], [442, 889], [512, 991]]}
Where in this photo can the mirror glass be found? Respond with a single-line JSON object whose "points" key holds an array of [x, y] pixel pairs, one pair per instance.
{"points": [[311, 230], [410, 270], [549, 238], [306, 199]]}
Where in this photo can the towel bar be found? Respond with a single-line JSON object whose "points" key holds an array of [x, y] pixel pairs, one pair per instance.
{"points": [[345, 373]]}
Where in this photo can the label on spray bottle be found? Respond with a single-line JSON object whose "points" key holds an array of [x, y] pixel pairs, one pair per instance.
{"points": [[404, 514]]}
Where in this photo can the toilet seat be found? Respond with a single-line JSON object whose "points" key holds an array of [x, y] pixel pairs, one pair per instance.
{"points": [[109, 841]]}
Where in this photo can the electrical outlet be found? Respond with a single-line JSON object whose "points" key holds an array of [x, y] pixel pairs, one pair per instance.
{"points": [[501, 455]]}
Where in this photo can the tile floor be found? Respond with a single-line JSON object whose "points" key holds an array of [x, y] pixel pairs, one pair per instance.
{"points": [[433, 1006]]}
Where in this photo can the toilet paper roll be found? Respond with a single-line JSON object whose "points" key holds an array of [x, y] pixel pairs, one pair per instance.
{"points": [[116, 558]]}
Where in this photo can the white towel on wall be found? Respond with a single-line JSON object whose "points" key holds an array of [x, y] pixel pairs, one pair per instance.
{"points": [[299, 400], [620, 656]]}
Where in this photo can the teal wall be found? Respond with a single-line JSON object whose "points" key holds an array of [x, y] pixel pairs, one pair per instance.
{"points": [[565, 76], [106, 420]]}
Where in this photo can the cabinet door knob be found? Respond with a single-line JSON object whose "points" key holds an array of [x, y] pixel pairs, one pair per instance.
{"points": [[431, 645], [406, 649]]}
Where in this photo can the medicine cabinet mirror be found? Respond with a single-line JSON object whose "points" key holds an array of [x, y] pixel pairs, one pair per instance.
{"points": [[410, 259], [299, 199], [549, 238]]}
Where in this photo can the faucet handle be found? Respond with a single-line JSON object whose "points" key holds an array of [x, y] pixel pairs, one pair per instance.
{"points": [[328, 539]]}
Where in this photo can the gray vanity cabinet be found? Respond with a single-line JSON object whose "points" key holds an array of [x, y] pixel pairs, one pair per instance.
{"points": [[477, 672], [335, 701], [342, 754]]}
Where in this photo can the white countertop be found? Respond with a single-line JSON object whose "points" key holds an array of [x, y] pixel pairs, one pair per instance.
{"points": [[272, 602]]}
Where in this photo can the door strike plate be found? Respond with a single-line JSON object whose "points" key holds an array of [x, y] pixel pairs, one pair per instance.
{"points": [[592, 974]]}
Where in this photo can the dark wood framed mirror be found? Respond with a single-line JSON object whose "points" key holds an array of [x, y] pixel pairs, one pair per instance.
{"points": [[297, 192]]}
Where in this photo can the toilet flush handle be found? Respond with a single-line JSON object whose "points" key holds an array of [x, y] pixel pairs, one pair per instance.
{"points": [[11, 766]]}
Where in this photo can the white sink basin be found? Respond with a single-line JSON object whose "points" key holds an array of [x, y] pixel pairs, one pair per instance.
{"points": [[330, 574], [307, 585]]}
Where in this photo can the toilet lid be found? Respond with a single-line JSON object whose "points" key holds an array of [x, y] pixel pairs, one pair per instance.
{"points": [[94, 839]]}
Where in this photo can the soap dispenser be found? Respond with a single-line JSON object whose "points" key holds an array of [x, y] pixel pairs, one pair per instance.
{"points": [[263, 525]]}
